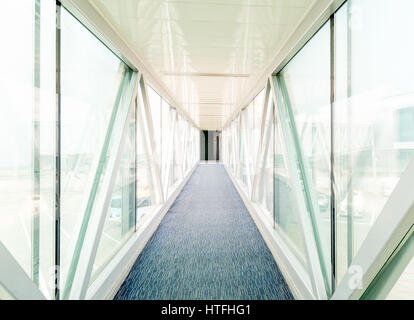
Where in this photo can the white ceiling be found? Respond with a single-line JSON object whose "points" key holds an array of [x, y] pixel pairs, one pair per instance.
{"points": [[209, 53]]}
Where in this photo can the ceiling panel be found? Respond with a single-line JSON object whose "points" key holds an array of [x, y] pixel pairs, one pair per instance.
{"points": [[207, 52]]}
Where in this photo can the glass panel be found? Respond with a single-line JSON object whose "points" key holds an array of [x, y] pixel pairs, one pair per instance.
{"points": [[395, 279], [257, 115], [404, 288], [286, 216], [155, 105], [173, 163], [236, 143], [5, 294], [374, 114], [305, 82], [120, 220], [179, 137], [251, 121], [146, 198], [93, 80], [265, 185], [27, 131], [166, 143], [187, 153]]}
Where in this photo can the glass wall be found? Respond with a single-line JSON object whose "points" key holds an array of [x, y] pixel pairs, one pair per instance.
{"points": [[343, 130], [374, 114], [403, 287], [120, 219], [155, 104], [78, 147], [247, 130], [167, 145]]}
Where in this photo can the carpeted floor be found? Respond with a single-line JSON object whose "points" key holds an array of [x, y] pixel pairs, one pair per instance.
{"points": [[206, 247]]}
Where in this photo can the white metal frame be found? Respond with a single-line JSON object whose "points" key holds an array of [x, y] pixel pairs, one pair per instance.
{"points": [[93, 18], [170, 155], [258, 172], [392, 224], [12, 277], [15, 280], [312, 257], [317, 15], [153, 149], [293, 271], [96, 224], [112, 276]]}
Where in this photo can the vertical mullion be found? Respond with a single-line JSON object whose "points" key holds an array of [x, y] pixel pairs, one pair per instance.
{"points": [[58, 150], [333, 211], [35, 223], [350, 233]]}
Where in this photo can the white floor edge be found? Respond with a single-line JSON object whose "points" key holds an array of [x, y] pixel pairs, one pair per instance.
{"points": [[293, 272]]}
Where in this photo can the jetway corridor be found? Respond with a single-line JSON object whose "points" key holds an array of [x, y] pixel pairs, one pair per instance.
{"points": [[206, 149], [206, 247]]}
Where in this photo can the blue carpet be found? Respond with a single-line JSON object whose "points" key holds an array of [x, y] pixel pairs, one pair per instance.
{"points": [[206, 247]]}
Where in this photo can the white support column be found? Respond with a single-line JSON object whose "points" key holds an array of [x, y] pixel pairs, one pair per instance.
{"points": [[15, 280], [312, 256], [95, 227]]}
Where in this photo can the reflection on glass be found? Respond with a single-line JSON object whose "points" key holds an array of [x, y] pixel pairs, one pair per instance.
{"points": [[145, 193], [5, 294], [243, 149], [403, 289], [27, 137], [374, 114], [167, 143], [265, 185], [92, 79], [250, 130], [179, 137], [306, 83], [286, 213], [156, 113], [120, 219], [235, 133]]}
